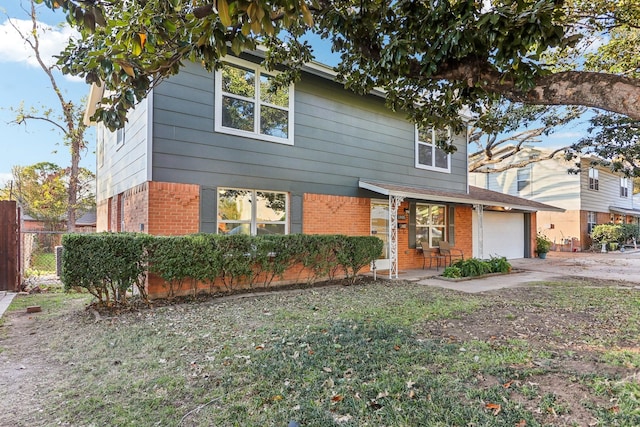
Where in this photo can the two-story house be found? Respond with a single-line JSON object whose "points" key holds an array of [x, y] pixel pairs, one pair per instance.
{"points": [[593, 196], [221, 153]]}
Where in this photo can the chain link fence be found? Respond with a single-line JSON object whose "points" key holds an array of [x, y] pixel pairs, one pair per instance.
{"points": [[39, 252]]}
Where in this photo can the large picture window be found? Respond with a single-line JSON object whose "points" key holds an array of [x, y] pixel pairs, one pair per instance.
{"points": [[428, 154], [247, 105], [252, 212], [430, 224]]}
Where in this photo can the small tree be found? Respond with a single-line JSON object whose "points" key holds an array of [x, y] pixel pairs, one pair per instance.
{"points": [[42, 190], [70, 120]]}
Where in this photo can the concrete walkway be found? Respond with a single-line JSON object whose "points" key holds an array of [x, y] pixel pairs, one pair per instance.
{"points": [[5, 300], [613, 266]]}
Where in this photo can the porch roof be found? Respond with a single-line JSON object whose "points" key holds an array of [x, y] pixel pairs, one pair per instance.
{"points": [[625, 211], [475, 196]]}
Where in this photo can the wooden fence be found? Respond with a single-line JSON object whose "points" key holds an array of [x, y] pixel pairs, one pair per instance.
{"points": [[10, 266]]}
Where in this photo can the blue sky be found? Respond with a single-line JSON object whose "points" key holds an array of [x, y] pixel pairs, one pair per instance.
{"points": [[21, 80]]}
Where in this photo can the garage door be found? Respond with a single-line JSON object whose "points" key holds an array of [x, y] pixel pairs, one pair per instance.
{"points": [[503, 235]]}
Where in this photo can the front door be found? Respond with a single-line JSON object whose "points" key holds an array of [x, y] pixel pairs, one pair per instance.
{"points": [[380, 229]]}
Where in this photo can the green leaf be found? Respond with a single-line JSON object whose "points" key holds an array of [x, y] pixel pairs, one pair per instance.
{"points": [[223, 13]]}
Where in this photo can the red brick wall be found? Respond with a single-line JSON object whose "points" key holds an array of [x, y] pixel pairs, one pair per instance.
{"points": [[114, 213], [324, 214], [173, 209], [136, 212], [464, 230]]}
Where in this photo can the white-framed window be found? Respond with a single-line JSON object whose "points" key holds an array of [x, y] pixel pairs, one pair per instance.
{"points": [[594, 183], [245, 105], [120, 136], [428, 154], [523, 178], [591, 221], [252, 212], [624, 187], [430, 224]]}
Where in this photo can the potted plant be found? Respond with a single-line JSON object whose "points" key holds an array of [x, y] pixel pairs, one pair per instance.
{"points": [[543, 245]]}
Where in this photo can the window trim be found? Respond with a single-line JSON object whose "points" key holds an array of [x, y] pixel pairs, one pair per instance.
{"points": [[433, 146], [445, 226], [624, 187], [253, 222], [121, 136], [526, 182], [255, 134], [590, 224], [594, 179]]}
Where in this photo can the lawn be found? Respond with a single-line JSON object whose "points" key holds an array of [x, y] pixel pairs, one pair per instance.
{"points": [[385, 353]]}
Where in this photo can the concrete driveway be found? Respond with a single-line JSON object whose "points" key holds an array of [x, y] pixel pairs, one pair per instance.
{"points": [[614, 266]]}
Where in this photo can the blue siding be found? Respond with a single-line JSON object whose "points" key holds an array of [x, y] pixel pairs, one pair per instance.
{"points": [[339, 138]]}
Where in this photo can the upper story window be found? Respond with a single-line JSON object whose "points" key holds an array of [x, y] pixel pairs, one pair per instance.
{"points": [[252, 212], [624, 187], [120, 135], [428, 154], [247, 105], [523, 178], [593, 179]]}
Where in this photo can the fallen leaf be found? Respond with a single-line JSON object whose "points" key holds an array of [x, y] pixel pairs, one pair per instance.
{"points": [[337, 398], [260, 347], [343, 419], [328, 370], [277, 398], [396, 347], [615, 409], [382, 394], [412, 394], [507, 384], [522, 423], [495, 407], [410, 384]]}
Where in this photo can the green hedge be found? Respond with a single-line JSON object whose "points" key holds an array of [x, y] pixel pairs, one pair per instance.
{"points": [[109, 264]]}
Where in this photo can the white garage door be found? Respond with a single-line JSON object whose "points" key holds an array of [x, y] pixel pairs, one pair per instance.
{"points": [[503, 235]]}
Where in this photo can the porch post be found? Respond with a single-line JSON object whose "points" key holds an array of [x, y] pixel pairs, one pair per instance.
{"points": [[480, 211], [394, 205]]}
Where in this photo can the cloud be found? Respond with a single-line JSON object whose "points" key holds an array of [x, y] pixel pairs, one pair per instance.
{"points": [[52, 40], [4, 178]]}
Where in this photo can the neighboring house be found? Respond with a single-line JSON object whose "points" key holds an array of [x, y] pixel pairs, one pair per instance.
{"points": [[594, 196], [219, 153]]}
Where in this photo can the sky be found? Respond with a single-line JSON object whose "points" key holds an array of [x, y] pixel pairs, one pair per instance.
{"points": [[23, 81]]}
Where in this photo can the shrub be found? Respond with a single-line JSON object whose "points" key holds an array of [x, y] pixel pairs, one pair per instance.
{"points": [[107, 265], [354, 253], [543, 245], [452, 272], [499, 265], [473, 267]]}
